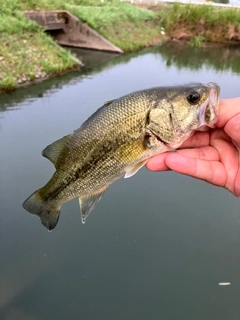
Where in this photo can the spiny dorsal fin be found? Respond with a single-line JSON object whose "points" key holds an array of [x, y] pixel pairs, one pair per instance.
{"points": [[87, 204], [53, 151], [134, 169], [106, 103]]}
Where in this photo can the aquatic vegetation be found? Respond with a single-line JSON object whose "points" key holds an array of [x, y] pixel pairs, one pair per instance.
{"points": [[196, 41], [7, 83]]}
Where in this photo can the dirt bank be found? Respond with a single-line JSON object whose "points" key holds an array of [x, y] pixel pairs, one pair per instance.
{"points": [[198, 24]]}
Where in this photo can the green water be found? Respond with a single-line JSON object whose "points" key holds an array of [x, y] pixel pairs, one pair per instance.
{"points": [[155, 247]]}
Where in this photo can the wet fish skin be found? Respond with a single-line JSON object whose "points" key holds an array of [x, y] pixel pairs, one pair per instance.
{"points": [[117, 140]]}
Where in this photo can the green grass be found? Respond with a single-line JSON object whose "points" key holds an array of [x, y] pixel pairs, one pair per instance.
{"points": [[27, 53], [192, 14], [105, 16], [210, 23], [128, 27], [196, 41], [102, 16], [28, 56]]}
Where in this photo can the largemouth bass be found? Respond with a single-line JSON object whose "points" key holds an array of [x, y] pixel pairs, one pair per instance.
{"points": [[117, 140]]}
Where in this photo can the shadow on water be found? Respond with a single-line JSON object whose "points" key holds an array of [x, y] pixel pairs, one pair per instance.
{"points": [[92, 58], [172, 53]]}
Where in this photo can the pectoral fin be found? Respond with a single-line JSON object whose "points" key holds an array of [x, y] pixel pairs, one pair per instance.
{"points": [[87, 204], [134, 169], [53, 151]]}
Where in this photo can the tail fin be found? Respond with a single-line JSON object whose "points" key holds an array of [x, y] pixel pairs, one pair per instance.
{"points": [[36, 205]]}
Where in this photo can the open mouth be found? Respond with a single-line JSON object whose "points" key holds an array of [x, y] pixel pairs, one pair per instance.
{"points": [[208, 114]]}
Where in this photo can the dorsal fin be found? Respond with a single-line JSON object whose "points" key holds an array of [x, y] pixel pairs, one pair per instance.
{"points": [[87, 204], [106, 103], [53, 151]]}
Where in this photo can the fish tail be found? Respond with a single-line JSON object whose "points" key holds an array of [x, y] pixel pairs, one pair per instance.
{"points": [[48, 214]]}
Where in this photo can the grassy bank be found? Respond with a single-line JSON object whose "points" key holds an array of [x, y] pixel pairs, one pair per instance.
{"points": [[28, 54], [128, 27], [201, 23]]}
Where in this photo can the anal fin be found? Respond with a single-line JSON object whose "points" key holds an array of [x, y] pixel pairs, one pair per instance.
{"points": [[87, 204], [134, 169]]}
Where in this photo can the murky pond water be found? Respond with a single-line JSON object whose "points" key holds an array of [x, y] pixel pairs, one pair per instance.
{"points": [[155, 247]]}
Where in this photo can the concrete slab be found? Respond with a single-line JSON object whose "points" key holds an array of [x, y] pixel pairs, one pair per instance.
{"points": [[68, 30]]}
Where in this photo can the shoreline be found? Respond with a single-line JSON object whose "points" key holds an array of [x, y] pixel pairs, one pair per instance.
{"points": [[152, 25], [40, 79]]}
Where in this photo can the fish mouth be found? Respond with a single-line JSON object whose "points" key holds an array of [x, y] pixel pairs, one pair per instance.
{"points": [[208, 115]]}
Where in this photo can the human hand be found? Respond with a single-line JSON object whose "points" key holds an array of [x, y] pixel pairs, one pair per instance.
{"points": [[212, 156]]}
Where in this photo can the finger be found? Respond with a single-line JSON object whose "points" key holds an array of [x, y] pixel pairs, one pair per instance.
{"points": [[237, 184], [198, 139], [232, 129], [157, 163], [228, 109], [210, 171], [203, 153], [229, 157]]}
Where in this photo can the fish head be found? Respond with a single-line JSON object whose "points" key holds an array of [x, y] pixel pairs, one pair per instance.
{"points": [[187, 108], [196, 105]]}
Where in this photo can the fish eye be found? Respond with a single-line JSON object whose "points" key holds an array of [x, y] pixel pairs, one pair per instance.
{"points": [[193, 97]]}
